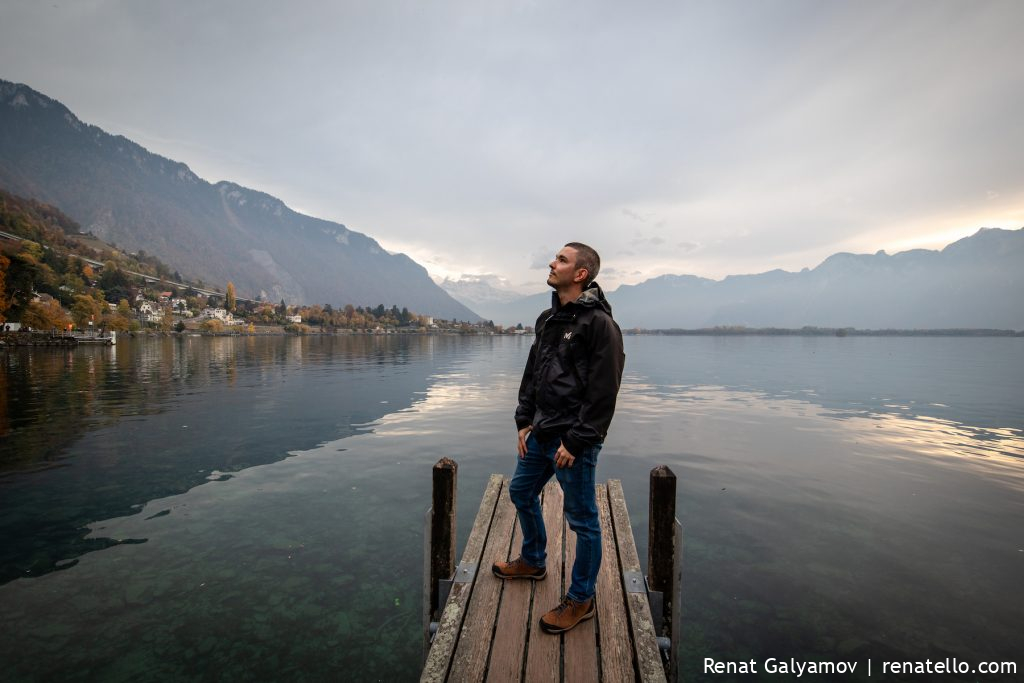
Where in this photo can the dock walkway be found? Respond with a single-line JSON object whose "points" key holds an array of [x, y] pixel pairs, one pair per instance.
{"points": [[488, 629], [55, 338]]}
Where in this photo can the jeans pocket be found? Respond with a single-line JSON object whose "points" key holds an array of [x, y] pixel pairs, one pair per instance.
{"points": [[589, 455]]}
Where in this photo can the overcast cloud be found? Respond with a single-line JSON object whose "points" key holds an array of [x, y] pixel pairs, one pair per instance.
{"points": [[676, 137]]}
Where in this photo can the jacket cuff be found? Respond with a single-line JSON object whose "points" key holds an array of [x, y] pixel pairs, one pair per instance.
{"points": [[523, 423], [573, 445]]}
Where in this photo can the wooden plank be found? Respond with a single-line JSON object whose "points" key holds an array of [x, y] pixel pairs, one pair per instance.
{"points": [[446, 638], [579, 646], [470, 659], [543, 656], [612, 622], [506, 663], [648, 657]]}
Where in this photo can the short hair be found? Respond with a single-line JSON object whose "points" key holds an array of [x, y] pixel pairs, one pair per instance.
{"points": [[586, 258]]}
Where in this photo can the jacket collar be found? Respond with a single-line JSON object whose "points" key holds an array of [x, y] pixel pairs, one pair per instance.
{"points": [[591, 297]]}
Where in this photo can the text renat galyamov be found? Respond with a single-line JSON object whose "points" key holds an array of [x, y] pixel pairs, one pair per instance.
{"points": [[778, 666]]}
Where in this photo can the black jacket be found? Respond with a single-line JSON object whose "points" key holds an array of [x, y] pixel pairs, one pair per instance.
{"points": [[573, 373]]}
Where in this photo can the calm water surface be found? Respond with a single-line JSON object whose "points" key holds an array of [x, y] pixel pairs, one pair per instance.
{"points": [[251, 509]]}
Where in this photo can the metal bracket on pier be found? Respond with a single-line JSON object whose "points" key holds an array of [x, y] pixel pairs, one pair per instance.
{"points": [[634, 582], [465, 573]]}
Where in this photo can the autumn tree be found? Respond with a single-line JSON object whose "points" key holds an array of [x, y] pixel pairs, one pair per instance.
{"points": [[73, 282], [116, 321], [46, 315], [85, 310], [32, 251], [229, 297], [212, 326]]}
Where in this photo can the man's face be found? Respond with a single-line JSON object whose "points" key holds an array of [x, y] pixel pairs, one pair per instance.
{"points": [[563, 269]]}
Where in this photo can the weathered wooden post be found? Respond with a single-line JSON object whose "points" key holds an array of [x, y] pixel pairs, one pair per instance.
{"points": [[664, 559], [439, 543]]}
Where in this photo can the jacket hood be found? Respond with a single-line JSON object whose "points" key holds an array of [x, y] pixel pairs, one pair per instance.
{"points": [[592, 297]]}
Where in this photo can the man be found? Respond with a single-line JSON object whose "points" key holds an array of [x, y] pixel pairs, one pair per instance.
{"points": [[566, 402]]}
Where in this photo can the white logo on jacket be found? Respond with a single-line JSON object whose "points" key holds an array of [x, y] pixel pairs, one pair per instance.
{"points": [[567, 336]]}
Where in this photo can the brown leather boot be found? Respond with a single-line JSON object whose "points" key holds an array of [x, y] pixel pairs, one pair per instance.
{"points": [[518, 569], [567, 615]]}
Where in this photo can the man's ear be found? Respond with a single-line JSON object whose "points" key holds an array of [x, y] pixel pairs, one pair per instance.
{"points": [[581, 275]]}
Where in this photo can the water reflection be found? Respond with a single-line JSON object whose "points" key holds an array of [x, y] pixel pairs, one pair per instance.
{"points": [[1001, 448], [297, 568], [894, 427], [279, 486], [153, 418], [971, 381], [835, 530]]}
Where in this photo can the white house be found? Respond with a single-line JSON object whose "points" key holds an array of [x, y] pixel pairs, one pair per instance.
{"points": [[222, 315], [180, 307], [216, 313], [150, 312]]}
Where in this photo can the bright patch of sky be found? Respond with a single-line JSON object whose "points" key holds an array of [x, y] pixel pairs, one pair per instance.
{"points": [[708, 138]]}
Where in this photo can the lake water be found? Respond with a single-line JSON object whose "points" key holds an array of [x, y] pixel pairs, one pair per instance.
{"points": [[251, 508]]}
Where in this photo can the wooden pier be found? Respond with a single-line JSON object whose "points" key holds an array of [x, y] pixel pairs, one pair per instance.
{"points": [[480, 628]]}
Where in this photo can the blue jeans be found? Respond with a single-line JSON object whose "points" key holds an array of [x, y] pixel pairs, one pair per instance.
{"points": [[580, 508]]}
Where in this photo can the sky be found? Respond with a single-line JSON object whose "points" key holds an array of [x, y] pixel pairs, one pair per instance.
{"points": [[704, 138]]}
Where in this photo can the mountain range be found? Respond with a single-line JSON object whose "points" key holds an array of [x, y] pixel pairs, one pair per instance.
{"points": [[976, 282], [217, 232], [124, 194]]}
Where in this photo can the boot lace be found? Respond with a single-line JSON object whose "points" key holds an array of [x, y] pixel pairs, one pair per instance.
{"points": [[567, 603]]}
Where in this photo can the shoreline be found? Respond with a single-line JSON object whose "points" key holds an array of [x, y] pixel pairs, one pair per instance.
{"points": [[822, 332]]}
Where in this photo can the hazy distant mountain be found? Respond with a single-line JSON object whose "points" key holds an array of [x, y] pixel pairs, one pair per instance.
{"points": [[479, 291], [218, 232], [524, 309], [977, 282]]}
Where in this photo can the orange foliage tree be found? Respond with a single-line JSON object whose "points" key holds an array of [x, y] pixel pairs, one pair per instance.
{"points": [[48, 315]]}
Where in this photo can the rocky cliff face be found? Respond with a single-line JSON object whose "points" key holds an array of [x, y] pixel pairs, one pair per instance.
{"points": [[218, 232]]}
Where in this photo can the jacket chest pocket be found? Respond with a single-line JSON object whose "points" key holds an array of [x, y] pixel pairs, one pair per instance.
{"points": [[566, 370]]}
